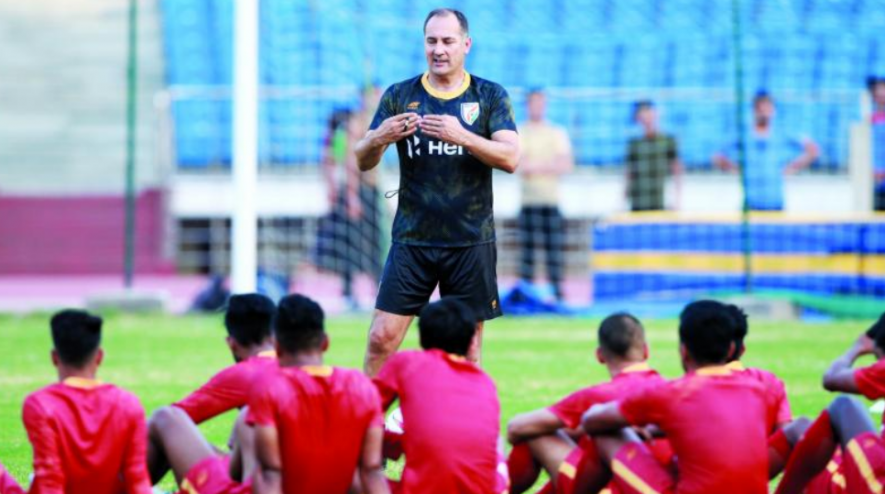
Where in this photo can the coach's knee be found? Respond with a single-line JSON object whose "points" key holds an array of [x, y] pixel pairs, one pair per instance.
{"points": [[383, 339]]}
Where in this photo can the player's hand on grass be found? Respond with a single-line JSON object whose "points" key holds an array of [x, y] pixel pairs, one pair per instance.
{"points": [[397, 127], [446, 128]]}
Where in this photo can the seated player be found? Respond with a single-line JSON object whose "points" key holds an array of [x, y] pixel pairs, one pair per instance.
{"points": [[450, 408], [247, 320], [88, 437], [786, 431], [843, 425], [197, 467], [316, 426], [868, 381], [545, 437], [716, 419]]}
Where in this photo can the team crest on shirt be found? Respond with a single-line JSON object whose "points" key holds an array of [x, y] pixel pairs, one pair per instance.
{"points": [[469, 112], [413, 105]]}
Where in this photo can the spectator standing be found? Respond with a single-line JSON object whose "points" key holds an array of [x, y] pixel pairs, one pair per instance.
{"points": [[651, 158], [876, 85], [546, 156], [771, 153]]}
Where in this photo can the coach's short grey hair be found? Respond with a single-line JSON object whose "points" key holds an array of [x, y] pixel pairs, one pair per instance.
{"points": [[462, 19]]}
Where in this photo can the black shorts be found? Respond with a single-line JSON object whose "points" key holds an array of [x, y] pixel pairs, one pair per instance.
{"points": [[467, 273]]}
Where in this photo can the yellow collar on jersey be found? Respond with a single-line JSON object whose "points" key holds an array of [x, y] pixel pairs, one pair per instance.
{"points": [[436, 93], [267, 354], [318, 370], [640, 367], [714, 370], [81, 383], [736, 365]]}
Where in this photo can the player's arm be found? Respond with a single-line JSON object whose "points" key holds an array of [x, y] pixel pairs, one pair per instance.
{"points": [[220, 394], [810, 152], [371, 147], [387, 381], [532, 424], [49, 477], [724, 163], [604, 417], [840, 375], [371, 468], [269, 478]]}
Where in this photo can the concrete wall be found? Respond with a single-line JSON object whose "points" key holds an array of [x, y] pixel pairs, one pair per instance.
{"points": [[63, 96]]}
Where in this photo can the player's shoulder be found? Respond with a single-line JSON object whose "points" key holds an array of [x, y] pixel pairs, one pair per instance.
{"points": [[353, 376], [355, 381]]}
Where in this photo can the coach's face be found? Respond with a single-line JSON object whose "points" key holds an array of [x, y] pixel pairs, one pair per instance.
{"points": [[445, 46]]}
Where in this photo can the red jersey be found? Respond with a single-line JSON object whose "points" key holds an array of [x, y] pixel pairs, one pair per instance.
{"points": [[321, 414], [632, 379], [451, 422], [871, 380], [227, 390], [773, 386], [717, 422], [88, 438], [8, 485]]}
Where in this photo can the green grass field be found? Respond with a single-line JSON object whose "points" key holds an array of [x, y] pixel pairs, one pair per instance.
{"points": [[534, 361]]}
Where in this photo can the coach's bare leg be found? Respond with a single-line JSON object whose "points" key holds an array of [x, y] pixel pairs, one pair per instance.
{"points": [[385, 337], [475, 353]]}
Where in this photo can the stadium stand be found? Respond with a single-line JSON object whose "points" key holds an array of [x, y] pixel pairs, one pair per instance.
{"points": [[626, 44]]}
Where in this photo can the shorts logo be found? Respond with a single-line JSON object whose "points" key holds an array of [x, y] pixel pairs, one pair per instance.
{"points": [[495, 304], [469, 112], [413, 105]]}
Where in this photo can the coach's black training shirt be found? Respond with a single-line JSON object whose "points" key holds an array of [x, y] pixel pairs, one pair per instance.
{"points": [[445, 193]]}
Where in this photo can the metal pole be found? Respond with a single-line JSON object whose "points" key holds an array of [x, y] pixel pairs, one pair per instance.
{"points": [[131, 116], [737, 46], [244, 252]]}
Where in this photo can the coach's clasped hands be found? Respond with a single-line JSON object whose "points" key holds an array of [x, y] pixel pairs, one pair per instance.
{"points": [[446, 128]]}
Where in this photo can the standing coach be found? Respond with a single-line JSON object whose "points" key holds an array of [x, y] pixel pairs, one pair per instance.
{"points": [[450, 129]]}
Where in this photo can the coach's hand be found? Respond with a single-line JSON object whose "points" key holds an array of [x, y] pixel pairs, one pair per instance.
{"points": [[397, 127], [446, 128]]}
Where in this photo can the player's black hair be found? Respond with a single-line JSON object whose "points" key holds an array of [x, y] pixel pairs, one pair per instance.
{"points": [[447, 325], [707, 329], [248, 318], [339, 117], [742, 327], [299, 324], [640, 105], [76, 335], [619, 333], [876, 332], [462, 19], [874, 80], [760, 96]]}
